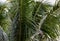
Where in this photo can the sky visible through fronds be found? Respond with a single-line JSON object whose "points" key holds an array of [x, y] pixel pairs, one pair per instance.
{"points": [[50, 2]]}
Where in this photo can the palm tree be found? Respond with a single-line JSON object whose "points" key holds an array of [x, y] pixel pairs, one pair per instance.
{"points": [[38, 21], [33, 21]]}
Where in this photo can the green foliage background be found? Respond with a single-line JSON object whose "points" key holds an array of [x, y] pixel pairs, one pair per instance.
{"points": [[25, 18]]}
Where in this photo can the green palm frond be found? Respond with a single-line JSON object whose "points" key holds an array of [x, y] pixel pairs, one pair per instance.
{"points": [[4, 17], [29, 18], [31, 21]]}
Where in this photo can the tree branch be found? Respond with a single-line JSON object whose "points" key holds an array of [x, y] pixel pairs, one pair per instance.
{"points": [[40, 24]]}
